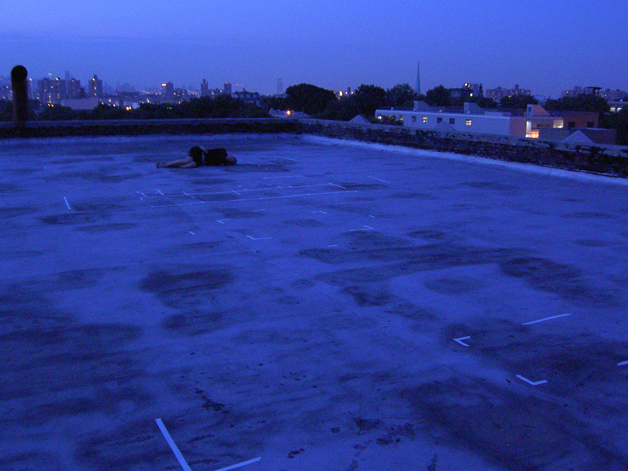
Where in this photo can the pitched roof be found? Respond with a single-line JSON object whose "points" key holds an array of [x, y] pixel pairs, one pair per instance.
{"points": [[578, 137], [359, 119]]}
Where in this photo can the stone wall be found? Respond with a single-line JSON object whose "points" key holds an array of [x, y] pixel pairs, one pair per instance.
{"points": [[612, 160]]}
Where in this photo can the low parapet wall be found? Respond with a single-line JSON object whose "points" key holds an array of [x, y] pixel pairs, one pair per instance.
{"points": [[138, 127], [612, 160]]}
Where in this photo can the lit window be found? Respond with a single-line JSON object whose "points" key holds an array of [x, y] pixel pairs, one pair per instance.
{"points": [[467, 122], [425, 119]]}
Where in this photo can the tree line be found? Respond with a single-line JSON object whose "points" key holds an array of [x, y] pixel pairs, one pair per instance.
{"points": [[323, 104]]}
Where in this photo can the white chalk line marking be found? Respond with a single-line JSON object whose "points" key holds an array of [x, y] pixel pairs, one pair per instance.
{"points": [[294, 196], [263, 198], [236, 192], [460, 341], [322, 212], [623, 363], [67, 204], [239, 465], [180, 204], [222, 221], [150, 192], [379, 180], [193, 233], [258, 238], [286, 176], [296, 187], [533, 383], [546, 319], [365, 228], [173, 445], [332, 246], [339, 186]]}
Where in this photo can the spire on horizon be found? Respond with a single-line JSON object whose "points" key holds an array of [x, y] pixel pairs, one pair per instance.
{"points": [[418, 78]]}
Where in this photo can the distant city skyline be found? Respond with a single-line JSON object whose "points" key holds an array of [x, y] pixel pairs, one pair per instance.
{"points": [[327, 44], [125, 86], [76, 88]]}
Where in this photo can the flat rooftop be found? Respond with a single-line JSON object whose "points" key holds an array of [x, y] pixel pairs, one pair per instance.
{"points": [[322, 305]]}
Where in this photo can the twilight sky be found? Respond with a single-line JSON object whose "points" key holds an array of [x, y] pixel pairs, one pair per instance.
{"points": [[544, 46]]}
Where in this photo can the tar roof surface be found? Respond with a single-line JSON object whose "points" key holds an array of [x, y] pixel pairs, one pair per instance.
{"points": [[321, 305]]}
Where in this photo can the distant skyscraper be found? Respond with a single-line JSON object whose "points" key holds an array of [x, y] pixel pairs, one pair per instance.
{"points": [[95, 87], [68, 77], [227, 88], [592, 90], [418, 79], [46, 90], [575, 92], [6, 92], [476, 88], [499, 92], [73, 88], [51, 91], [167, 89], [279, 86], [204, 88]]}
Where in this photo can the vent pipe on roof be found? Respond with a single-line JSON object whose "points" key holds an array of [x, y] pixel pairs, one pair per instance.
{"points": [[20, 94]]}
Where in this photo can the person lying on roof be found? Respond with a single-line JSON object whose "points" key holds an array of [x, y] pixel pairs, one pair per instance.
{"points": [[199, 157]]}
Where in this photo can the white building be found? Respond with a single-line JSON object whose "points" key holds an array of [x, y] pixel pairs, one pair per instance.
{"points": [[474, 119]]}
